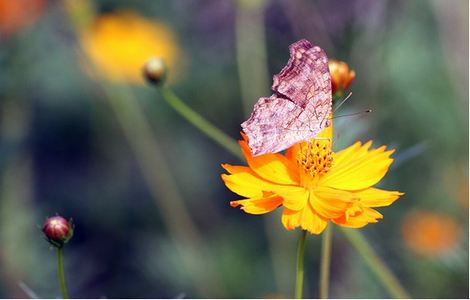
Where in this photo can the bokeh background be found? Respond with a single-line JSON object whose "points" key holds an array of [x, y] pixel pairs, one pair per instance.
{"points": [[84, 136]]}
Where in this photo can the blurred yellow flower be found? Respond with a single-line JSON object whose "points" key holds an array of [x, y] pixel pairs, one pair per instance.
{"points": [[341, 75], [119, 44], [430, 234], [313, 184]]}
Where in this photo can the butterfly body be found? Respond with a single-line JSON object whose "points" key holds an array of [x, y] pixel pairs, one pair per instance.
{"points": [[300, 104]]}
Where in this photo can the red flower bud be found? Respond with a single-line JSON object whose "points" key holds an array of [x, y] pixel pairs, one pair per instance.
{"points": [[57, 230]]}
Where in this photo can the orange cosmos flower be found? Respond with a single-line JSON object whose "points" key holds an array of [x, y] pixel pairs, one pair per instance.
{"points": [[120, 43], [341, 75], [313, 184], [15, 15], [430, 234]]}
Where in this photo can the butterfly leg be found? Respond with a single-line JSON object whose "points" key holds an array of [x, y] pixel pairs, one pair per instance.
{"points": [[307, 155]]}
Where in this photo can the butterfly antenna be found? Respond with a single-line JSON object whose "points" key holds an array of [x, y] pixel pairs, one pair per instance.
{"points": [[342, 102], [354, 114]]}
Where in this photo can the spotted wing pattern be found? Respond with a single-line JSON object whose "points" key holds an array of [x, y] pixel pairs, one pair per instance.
{"points": [[299, 107]]}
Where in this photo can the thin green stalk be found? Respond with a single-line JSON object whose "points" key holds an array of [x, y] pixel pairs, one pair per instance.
{"points": [[199, 122], [376, 264], [299, 278], [251, 52], [325, 262], [61, 274]]}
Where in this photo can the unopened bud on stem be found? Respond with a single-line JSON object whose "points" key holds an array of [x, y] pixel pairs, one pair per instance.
{"points": [[57, 230], [341, 76], [155, 70]]}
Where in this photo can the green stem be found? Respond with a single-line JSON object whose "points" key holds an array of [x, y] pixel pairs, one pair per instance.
{"points": [[299, 278], [61, 274], [199, 122], [251, 52], [325, 262], [376, 264]]}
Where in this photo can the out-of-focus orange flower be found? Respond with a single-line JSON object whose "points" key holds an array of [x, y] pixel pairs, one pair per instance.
{"points": [[430, 234], [313, 184], [119, 44], [456, 181], [16, 14], [341, 75]]}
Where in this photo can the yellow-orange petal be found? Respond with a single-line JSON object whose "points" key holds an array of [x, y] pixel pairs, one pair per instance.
{"points": [[291, 152], [330, 203], [244, 182], [367, 216], [272, 167], [258, 206], [306, 219], [346, 155], [357, 168], [373, 197], [327, 133], [295, 198]]}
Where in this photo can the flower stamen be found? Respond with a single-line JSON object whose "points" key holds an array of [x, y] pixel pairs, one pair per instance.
{"points": [[315, 158]]}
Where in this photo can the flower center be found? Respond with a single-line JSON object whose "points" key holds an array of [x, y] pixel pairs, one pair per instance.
{"points": [[315, 157]]}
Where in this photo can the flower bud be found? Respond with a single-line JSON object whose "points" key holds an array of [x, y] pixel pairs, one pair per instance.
{"points": [[341, 76], [57, 230], [155, 70]]}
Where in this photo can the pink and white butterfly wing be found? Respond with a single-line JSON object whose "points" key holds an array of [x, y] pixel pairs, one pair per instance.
{"points": [[269, 127], [300, 106]]}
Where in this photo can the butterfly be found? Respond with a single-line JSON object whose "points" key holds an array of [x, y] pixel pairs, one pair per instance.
{"points": [[300, 106]]}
